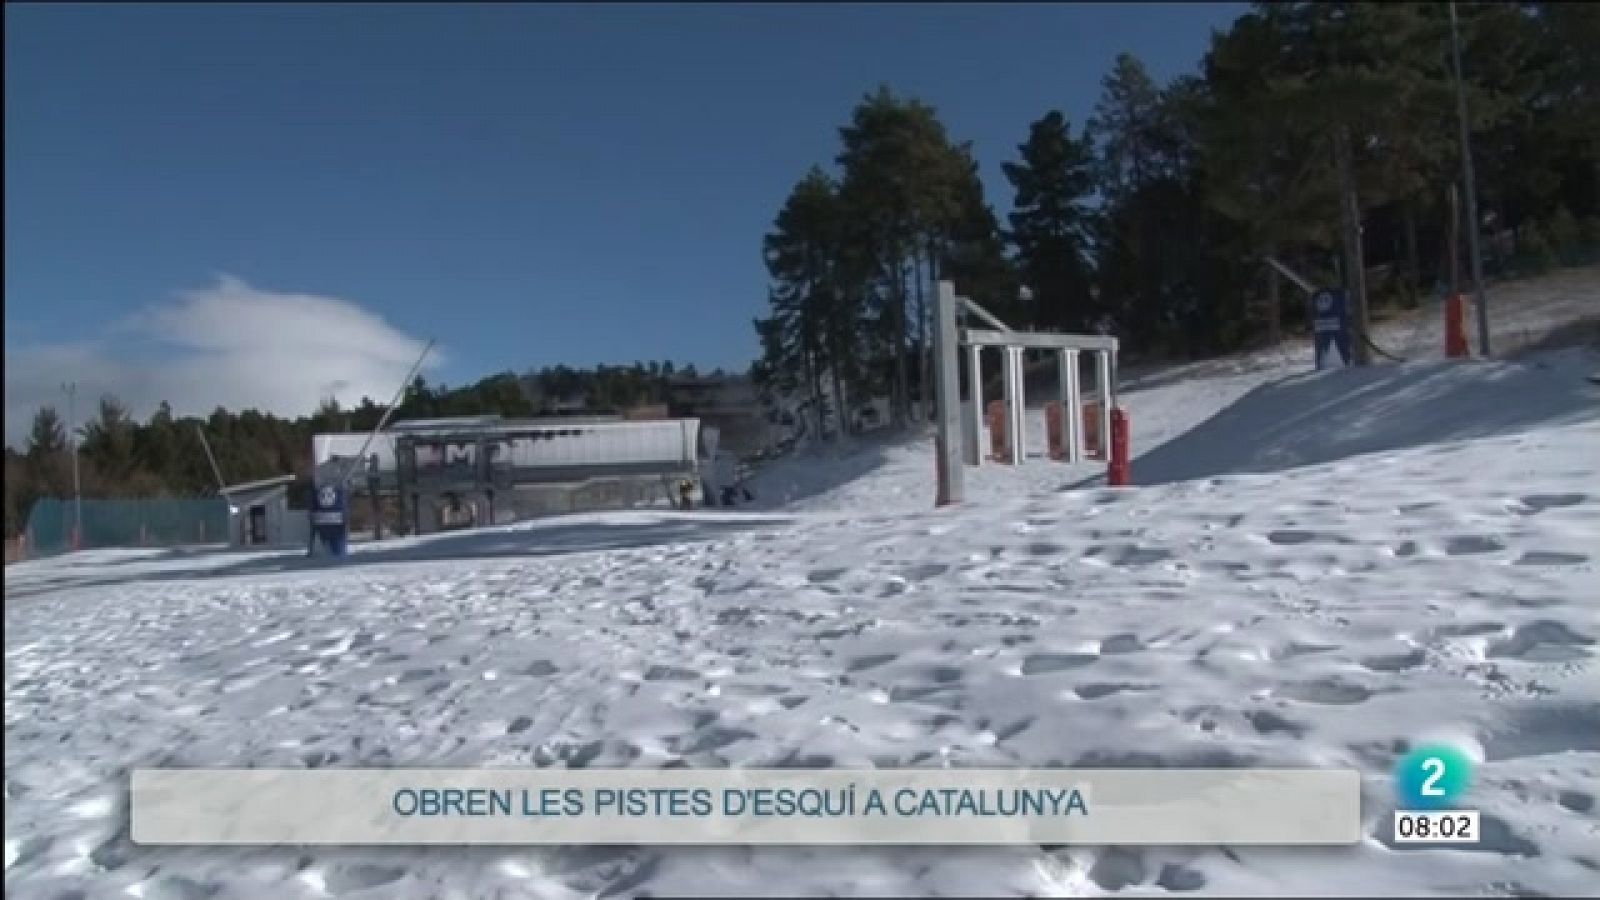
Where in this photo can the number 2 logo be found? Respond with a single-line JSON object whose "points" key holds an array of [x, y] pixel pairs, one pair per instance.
{"points": [[1432, 776], [1435, 767]]}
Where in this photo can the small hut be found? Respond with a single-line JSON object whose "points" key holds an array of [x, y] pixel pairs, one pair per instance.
{"points": [[258, 514]]}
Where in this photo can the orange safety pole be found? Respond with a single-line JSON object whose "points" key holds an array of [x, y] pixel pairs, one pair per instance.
{"points": [[1118, 469], [997, 431], [1455, 327], [1093, 446]]}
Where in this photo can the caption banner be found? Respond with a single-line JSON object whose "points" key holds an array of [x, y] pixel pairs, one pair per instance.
{"points": [[745, 806]]}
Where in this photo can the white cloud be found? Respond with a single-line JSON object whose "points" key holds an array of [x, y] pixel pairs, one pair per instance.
{"points": [[229, 345]]}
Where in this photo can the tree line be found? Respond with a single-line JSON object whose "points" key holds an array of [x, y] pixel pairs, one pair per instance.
{"points": [[119, 456], [1306, 125], [1323, 135]]}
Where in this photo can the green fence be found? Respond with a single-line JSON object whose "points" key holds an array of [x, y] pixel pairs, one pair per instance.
{"points": [[156, 522]]}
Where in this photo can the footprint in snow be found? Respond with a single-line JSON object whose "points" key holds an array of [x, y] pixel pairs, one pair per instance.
{"points": [[1327, 692], [1042, 663], [1545, 730], [1550, 558], [1473, 544], [670, 673], [1533, 504], [1288, 537], [823, 576], [1577, 801], [863, 663], [1266, 722], [1125, 642], [1394, 662], [350, 879], [925, 571], [540, 668], [1097, 689], [1546, 640]]}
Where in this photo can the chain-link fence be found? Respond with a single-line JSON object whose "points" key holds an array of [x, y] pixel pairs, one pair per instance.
{"points": [[155, 522]]}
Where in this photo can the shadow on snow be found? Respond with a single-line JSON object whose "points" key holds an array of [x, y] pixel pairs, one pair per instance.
{"points": [[555, 537], [1321, 417]]}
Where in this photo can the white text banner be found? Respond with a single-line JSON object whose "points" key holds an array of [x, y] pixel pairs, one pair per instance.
{"points": [[745, 806]]}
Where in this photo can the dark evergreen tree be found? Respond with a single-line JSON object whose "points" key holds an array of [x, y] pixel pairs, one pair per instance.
{"points": [[1052, 223]]}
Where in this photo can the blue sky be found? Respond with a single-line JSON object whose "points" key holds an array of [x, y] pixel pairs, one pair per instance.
{"points": [[530, 185]]}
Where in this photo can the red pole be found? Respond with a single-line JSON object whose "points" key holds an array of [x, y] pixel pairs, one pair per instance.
{"points": [[1093, 443], [1455, 331], [1118, 472], [997, 431], [1052, 418]]}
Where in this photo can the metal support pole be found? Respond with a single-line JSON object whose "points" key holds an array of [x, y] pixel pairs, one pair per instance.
{"points": [[973, 308], [1292, 275], [1014, 404], [72, 448], [377, 501], [399, 397], [1071, 407], [974, 418], [1113, 375], [947, 396], [1102, 365], [1479, 291]]}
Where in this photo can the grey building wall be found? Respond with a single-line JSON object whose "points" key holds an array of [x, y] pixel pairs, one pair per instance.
{"points": [[282, 526]]}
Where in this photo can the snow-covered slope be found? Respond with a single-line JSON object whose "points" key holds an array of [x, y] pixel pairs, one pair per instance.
{"points": [[1288, 603]]}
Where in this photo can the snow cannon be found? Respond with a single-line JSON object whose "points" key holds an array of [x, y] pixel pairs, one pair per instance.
{"points": [[330, 519]]}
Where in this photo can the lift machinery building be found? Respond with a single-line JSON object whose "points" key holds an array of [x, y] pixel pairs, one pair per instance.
{"points": [[447, 473]]}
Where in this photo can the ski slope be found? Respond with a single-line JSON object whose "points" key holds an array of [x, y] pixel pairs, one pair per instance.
{"points": [[1320, 569]]}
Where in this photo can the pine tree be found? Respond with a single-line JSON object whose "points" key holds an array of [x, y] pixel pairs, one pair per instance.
{"points": [[108, 442], [972, 248], [1052, 223], [46, 452], [46, 437], [1146, 227], [1365, 84], [901, 186], [800, 254], [1272, 181]]}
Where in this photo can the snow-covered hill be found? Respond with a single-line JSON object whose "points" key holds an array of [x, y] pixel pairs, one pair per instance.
{"points": [[1321, 570]]}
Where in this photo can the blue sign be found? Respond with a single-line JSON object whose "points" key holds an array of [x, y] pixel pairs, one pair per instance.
{"points": [[330, 520], [1330, 323]]}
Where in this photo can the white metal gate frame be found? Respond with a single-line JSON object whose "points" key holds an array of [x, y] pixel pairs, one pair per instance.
{"points": [[949, 339]]}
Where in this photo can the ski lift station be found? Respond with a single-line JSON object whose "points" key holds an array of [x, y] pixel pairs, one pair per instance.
{"points": [[481, 470]]}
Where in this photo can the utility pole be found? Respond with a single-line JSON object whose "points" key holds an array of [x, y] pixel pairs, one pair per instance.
{"points": [[1480, 291], [72, 448]]}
